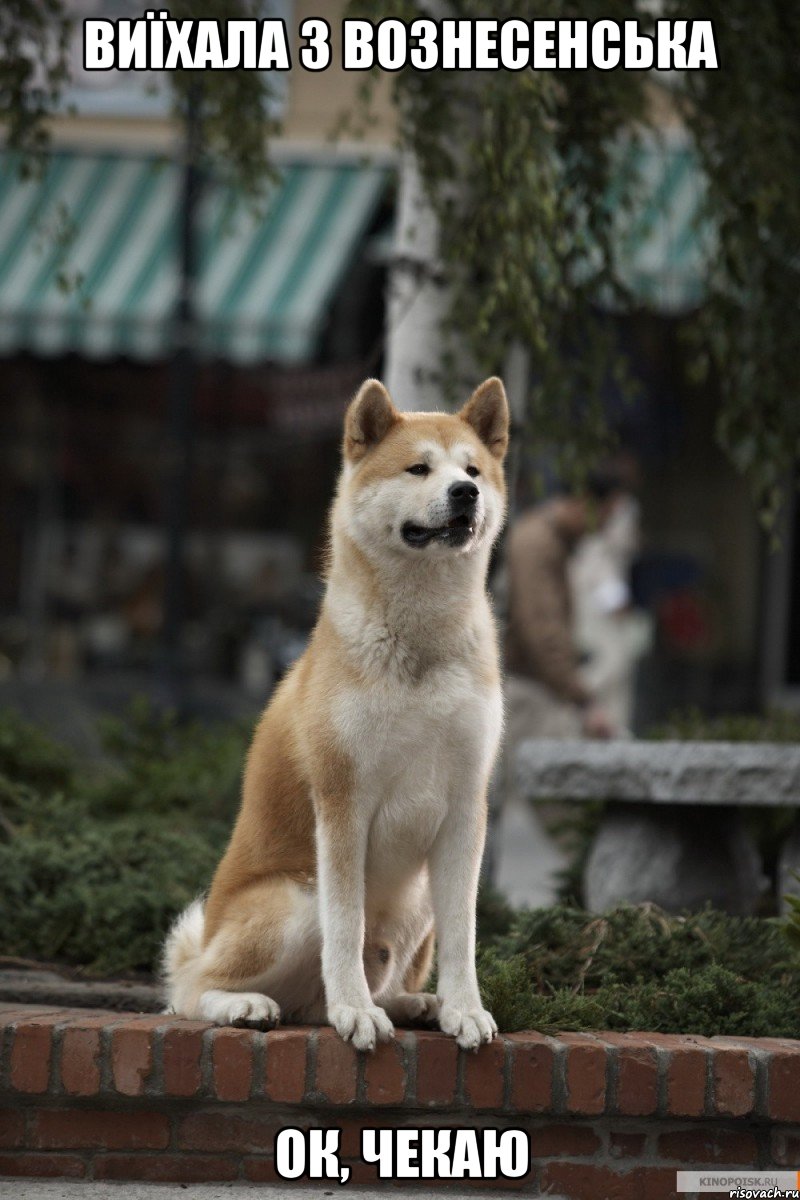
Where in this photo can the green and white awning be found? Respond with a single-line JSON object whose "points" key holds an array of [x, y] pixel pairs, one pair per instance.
{"points": [[88, 257], [663, 245], [89, 252]]}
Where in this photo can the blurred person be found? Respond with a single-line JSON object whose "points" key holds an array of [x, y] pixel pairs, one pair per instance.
{"points": [[547, 695], [611, 634]]}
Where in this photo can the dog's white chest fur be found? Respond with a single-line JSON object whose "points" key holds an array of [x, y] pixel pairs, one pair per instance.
{"points": [[414, 748]]}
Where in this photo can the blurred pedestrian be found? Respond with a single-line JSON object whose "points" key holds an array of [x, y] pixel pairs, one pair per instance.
{"points": [[611, 633], [546, 693]]}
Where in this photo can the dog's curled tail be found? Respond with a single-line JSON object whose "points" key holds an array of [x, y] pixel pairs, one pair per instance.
{"points": [[182, 950]]}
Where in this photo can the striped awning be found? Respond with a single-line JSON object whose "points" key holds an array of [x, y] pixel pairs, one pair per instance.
{"points": [[89, 257], [663, 245]]}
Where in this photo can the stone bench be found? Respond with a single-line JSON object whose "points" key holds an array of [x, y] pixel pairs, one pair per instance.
{"points": [[672, 832]]}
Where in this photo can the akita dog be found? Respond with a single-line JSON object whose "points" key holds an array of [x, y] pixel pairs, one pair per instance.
{"points": [[364, 799]]}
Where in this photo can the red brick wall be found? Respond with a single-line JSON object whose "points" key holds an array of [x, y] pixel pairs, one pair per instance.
{"points": [[119, 1096]]}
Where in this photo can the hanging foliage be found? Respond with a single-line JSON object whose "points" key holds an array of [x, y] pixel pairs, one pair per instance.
{"points": [[34, 36], [236, 106], [745, 121], [520, 168]]}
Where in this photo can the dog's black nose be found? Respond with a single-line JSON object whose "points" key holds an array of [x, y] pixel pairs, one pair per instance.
{"points": [[462, 494]]}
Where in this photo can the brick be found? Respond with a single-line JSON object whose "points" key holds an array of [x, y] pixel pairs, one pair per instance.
{"points": [[752, 1043], [571, 1141], [10, 1013], [166, 1168], [12, 1128], [351, 1129], [366, 1174], [285, 1078], [484, 1075], [784, 1085], [637, 1074], [385, 1073], [582, 1181], [182, 1050], [261, 1170], [658, 1183], [337, 1069], [709, 1147], [232, 1063], [221, 1131], [585, 1075], [80, 1017], [80, 1061], [437, 1062], [785, 1148], [734, 1083], [532, 1060], [32, 1053], [42, 1166], [132, 1058], [687, 1071], [626, 1145], [90, 1019], [74, 1129], [14, 1014]]}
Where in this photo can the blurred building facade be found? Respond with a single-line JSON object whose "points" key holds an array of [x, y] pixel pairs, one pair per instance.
{"points": [[288, 310], [291, 313]]}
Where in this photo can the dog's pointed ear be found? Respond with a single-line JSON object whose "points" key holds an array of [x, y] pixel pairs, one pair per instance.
{"points": [[487, 412], [369, 418]]}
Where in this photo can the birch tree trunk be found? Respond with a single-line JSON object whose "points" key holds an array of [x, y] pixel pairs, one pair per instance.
{"points": [[418, 299]]}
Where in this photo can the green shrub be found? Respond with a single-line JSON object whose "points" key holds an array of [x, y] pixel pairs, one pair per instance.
{"points": [[100, 894], [637, 968], [30, 756], [710, 1002], [792, 922], [95, 863], [160, 765], [692, 725], [567, 947], [96, 860]]}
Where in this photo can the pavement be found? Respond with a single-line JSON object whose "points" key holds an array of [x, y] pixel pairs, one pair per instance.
{"points": [[27, 982], [55, 1189]]}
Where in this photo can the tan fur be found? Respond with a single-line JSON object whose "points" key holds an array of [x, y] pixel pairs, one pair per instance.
{"points": [[417, 974], [301, 782]]}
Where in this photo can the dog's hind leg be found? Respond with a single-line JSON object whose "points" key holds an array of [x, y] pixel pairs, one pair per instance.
{"points": [[411, 1004], [251, 1009], [419, 968], [261, 959]]}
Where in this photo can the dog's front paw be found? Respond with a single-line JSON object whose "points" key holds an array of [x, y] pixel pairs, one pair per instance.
{"points": [[361, 1026], [469, 1026]]}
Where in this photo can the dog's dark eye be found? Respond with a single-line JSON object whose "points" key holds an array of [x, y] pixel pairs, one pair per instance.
{"points": [[472, 471], [419, 469]]}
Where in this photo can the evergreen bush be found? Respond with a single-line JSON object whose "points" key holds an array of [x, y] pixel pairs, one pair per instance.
{"points": [[96, 860]]}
